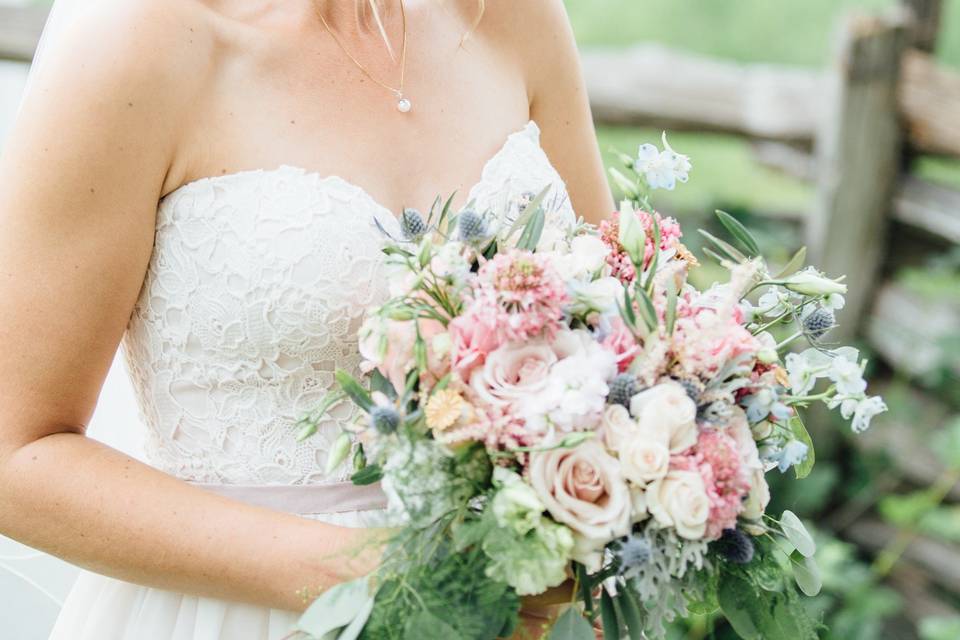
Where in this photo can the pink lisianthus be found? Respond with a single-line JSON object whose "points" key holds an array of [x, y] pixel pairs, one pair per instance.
{"points": [[523, 292], [620, 265], [474, 335], [622, 343], [726, 480]]}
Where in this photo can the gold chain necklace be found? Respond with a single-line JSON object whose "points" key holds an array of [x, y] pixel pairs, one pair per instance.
{"points": [[403, 103]]}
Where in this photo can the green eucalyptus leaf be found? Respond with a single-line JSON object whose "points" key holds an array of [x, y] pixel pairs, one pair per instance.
{"points": [[763, 615], [740, 233], [797, 534], [337, 607], [799, 431], [571, 626], [806, 573]]}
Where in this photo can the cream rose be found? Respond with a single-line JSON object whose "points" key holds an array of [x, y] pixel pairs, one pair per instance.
{"points": [[513, 372], [756, 503], [583, 488], [643, 459], [679, 500], [617, 426], [667, 409]]}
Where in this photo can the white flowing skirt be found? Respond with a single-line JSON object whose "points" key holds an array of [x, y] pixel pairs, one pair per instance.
{"points": [[102, 608]]}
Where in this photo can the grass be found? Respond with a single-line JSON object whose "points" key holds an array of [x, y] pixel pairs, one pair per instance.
{"points": [[795, 33]]}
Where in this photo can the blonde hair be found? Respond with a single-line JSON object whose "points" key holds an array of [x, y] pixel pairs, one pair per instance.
{"points": [[370, 9]]}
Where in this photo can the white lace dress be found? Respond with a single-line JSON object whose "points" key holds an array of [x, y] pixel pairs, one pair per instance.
{"points": [[252, 300]]}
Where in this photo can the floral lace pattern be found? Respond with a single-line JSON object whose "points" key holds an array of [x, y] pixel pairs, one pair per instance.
{"points": [[252, 300]]}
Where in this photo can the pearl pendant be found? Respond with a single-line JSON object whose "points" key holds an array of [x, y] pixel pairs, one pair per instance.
{"points": [[403, 105]]}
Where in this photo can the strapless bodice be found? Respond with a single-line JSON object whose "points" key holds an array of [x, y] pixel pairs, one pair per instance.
{"points": [[252, 300]]}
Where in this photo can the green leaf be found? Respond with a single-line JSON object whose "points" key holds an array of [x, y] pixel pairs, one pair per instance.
{"points": [[671, 315], [806, 573], [353, 389], [337, 607], [799, 431], [626, 311], [586, 587], [368, 475], [794, 265], [572, 626], [532, 231], [724, 247], [763, 615], [608, 614], [379, 382], [630, 610], [423, 625], [625, 184], [445, 211], [528, 212], [797, 534], [647, 311], [740, 233], [655, 260]]}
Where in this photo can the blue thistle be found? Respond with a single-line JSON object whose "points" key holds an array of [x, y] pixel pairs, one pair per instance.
{"points": [[735, 546], [622, 388], [412, 225], [384, 419], [471, 226], [819, 322]]}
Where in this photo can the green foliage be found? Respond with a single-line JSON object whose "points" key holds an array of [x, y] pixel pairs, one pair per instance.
{"points": [[940, 628], [425, 579], [572, 626]]}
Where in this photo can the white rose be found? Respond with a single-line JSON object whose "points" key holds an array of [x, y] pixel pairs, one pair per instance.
{"points": [[583, 488], [638, 501], [679, 500], [756, 503], [666, 408], [617, 426], [644, 459]]}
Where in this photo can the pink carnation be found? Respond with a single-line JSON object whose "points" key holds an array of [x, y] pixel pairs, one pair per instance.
{"points": [[473, 336], [620, 264], [524, 291], [727, 483]]}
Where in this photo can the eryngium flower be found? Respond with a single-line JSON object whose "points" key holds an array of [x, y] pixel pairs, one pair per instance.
{"points": [[622, 388], [819, 322], [735, 546], [412, 225], [384, 419], [471, 226]]}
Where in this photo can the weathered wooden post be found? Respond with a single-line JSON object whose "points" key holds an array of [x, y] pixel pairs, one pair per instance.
{"points": [[858, 157], [926, 22]]}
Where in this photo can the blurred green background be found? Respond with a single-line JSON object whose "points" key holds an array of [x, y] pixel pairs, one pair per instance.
{"points": [[876, 588]]}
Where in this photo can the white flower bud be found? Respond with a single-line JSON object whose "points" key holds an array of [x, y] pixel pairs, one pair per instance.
{"points": [[810, 283], [631, 236], [339, 451]]}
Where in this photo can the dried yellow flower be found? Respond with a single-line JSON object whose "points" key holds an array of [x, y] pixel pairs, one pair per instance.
{"points": [[444, 409]]}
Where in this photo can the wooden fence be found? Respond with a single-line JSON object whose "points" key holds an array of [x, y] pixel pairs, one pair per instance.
{"points": [[853, 130]]}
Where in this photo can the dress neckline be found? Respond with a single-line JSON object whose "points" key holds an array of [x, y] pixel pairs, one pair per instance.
{"points": [[530, 129]]}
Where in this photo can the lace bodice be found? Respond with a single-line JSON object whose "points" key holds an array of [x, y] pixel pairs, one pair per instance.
{"points": [[252, 299]]}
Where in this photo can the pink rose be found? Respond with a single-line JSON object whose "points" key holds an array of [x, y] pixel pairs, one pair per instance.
{"points": [[513, 372], [583, 488]]}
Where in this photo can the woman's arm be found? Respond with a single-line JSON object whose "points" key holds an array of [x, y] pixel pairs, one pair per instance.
{"points": [[559, 103], [79, 184]]}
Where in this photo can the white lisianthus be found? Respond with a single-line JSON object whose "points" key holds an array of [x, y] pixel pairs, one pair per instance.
{"points": [[600, 295], [585, 257], [667, 409], [679, 500]]}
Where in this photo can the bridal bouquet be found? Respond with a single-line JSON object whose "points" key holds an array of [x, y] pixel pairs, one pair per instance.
{"points": [[552, 402]]}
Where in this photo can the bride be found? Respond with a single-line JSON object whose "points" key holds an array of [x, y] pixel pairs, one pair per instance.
{"points": [[200, 180]]}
